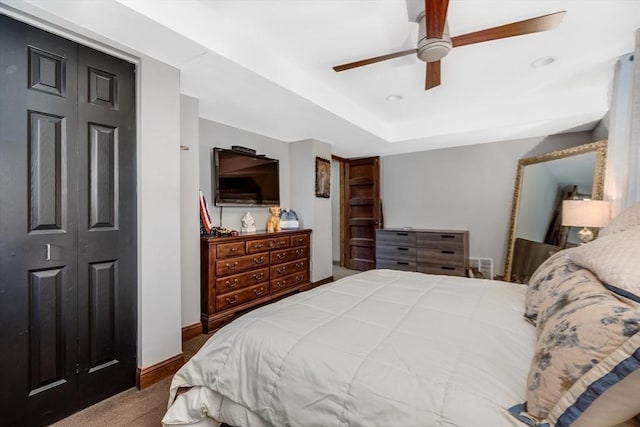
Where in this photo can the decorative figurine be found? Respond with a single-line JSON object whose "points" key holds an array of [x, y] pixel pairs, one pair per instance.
{"points": [[248, 223], [273, 224]]}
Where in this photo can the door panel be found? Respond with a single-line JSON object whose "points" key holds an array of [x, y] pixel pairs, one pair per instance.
{"points": [[362, 197], [38, 244], [67, 225], [106, 225]]}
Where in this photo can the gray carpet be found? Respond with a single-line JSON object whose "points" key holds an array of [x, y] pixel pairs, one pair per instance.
{"points": [[133, 407]]}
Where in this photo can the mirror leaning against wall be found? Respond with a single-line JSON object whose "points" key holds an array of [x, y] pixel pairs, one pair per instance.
{"points": [[542, 182]]}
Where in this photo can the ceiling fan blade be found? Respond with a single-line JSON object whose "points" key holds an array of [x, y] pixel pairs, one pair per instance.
{"points": [[528, 26], [435, 12], [373, 60], [432, 77]]}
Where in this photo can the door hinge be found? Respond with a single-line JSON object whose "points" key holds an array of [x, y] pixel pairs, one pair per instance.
{"points": [[77, 368]]}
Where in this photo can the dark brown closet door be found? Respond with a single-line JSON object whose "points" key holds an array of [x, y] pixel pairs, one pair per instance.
{"points": [[67, 226], [106, 225], [38, 228]]}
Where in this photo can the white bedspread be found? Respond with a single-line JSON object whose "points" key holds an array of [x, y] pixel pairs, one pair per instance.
{"points": [[381, 348]]}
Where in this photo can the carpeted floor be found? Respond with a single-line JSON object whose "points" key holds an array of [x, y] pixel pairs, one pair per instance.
{"points": [[133, 407]]}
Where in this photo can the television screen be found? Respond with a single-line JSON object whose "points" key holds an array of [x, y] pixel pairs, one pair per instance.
{"points": [[245, 179]]}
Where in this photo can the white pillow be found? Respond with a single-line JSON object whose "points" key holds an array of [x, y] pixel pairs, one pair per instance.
{"points": [[615, 259]]}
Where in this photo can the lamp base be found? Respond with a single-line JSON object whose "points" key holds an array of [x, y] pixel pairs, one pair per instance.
{"points": [[585, 235]]}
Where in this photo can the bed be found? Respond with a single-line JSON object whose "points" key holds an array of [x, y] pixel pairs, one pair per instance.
{"points": [[392, 348]]}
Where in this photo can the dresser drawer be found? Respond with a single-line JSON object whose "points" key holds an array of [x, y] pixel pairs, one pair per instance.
{"points": [[282, 283], [449, 270], [227, 250], [238, 297], [396, 253], [395, 238], [285, 255], [282, 270], [445, 255], [300, 240], [230, 266], [239, 281], [441, 240], [261, 245], [396, 265]]}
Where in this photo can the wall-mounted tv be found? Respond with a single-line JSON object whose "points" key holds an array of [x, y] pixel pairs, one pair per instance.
{"points": [[242, 179]]}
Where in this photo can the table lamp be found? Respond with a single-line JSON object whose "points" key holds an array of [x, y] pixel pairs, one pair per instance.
{"points": [[585, 213]]}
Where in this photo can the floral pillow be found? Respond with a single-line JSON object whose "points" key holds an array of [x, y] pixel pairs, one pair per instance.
{"points": [[545, 280], [615, 259], [628, 218], [587, 355]]}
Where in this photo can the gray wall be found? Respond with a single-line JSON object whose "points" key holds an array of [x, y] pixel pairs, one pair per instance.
{"points": [[315, 212], [213, 134], [466, 188], [189, 222]]}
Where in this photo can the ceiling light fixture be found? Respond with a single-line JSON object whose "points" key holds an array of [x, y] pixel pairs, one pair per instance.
{"points": [[544, 61], [393, 98]]}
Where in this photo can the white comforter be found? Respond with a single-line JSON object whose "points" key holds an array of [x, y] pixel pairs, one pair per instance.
{"points": [[381, 348]]}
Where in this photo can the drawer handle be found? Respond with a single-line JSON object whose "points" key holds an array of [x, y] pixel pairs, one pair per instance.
{"points": [[258, 276], [299, 278], [281, 256], [444, 267], [447, 236], [258, 291], [281, 270], [402, 234], [282, 284], [232, 301], [403, 249], [300, 239], [259, 246], [448, 252], [233, 250], [402, 263], [299, 264], [259, 260], [232, 285], [281, 243], [299, 251], [232, 267]]}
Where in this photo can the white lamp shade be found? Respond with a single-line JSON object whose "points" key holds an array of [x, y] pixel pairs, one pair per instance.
{"points": [[585, 213]]}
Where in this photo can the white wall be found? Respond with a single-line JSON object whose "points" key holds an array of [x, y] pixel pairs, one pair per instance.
{"points": [[213, 134], [159, 332], [189, 215], [465, 188], [315, 212]]}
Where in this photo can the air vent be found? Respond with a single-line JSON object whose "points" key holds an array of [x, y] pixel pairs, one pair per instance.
{"points": [[483, 265]]}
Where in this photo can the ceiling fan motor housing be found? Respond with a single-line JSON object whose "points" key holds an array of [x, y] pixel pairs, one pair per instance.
{"points": [[430, 50]]}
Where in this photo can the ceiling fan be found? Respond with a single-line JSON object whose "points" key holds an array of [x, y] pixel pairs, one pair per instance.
{"points": [[434, 41]]}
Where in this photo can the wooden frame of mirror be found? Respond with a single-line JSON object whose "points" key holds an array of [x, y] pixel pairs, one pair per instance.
{"points": [[599, 147]]}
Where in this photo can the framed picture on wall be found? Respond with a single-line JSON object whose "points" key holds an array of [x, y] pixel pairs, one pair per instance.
{"points": [[323, 177]]}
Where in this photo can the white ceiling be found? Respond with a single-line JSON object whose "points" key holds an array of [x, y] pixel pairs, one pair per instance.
{"points": [[265, 66]]}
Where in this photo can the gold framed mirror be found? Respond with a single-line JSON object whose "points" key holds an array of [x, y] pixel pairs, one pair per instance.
{"points": [[542, 182]]}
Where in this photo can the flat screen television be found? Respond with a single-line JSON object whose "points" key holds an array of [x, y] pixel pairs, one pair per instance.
{"points": [[243, 179]]}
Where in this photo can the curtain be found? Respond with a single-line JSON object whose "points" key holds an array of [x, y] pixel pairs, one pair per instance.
{"points": [[622, 178]]}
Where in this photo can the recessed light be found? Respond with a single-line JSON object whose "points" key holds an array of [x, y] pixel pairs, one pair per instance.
{"points": [[393, 98], [544, 61]]}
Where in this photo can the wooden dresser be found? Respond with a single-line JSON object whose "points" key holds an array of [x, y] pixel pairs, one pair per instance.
{"points": [[240, 272], [426, 251]]}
